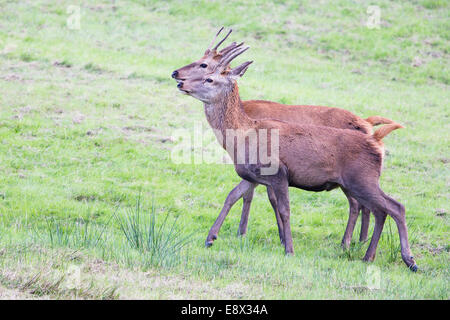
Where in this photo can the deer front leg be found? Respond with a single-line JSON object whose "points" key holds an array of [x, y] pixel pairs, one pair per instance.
{"points": [[273, 202], [232, 197], [281, 191], [247, 201]]}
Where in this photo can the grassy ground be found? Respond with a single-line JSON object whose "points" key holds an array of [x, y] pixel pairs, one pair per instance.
{"points": [[86, 117]]}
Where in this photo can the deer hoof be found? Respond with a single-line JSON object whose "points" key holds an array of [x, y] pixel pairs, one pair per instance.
{"points": [[209, 240], [414, 268]]}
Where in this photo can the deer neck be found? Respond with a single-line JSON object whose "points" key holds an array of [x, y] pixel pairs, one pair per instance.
{"points": [[228, 113]]}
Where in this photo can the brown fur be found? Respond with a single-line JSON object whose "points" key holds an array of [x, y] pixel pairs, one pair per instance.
{"points": [[306, 114], [314, 155]]}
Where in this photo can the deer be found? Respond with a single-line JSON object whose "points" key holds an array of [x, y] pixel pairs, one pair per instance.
{"points": [[308, 157], [306, 114]]}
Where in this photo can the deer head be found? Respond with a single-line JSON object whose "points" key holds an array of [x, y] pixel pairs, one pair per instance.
{"points": [[213, 86], [208, 62]]}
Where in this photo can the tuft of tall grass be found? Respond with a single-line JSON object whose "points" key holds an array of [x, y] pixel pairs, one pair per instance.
{"points": [[392, 242], [354, 252], [160, 242], [75, 234]]}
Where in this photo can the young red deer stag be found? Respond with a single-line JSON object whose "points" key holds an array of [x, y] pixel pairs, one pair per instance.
{"points": [[308, 157]]}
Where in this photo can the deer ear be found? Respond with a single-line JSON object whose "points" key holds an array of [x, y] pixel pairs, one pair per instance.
{"points": [[240, 70]]}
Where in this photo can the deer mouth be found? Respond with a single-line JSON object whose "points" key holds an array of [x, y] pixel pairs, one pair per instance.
{"points": [[183, 91]]}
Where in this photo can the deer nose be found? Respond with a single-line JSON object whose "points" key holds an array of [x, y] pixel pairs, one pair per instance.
{"points": [[180, 85], [174, 74]]}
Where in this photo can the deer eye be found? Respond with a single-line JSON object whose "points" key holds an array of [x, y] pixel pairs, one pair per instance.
{"points": [[203, 65], [209, 80]]}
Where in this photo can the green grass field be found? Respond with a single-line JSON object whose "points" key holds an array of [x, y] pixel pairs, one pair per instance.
{"points": [[86, 119]]}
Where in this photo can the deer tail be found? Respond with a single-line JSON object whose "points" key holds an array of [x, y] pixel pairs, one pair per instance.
{"points": [[377, 120], [385, 130]]}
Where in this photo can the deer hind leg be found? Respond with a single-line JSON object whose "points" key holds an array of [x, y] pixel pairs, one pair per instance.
{"points": [[352, 217], [232, 198], [247, 201], [397, 211], [273, 202], [381, 205]]}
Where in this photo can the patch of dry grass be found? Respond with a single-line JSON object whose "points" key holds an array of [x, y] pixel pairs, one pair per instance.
{"points": [[38, 273]]}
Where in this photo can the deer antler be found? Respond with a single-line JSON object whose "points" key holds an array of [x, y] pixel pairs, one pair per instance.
{"points": [[217, 45], [214, 40], [229, 48], [229, 56]]}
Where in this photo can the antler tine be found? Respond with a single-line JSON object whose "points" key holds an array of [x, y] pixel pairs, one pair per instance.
{"points": [[215, 48], [214, 39], [229, 48], [233, 54], [230, 51]]}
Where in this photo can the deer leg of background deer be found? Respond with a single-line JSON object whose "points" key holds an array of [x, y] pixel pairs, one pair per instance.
{"points": [[247, 201], [365, 221], [281, 190], [273, 202], [352, 217], [380, 218], [232, 197]]}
